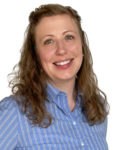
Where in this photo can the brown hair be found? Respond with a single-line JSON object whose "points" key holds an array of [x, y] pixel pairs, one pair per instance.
{"points": [[29, 82]]}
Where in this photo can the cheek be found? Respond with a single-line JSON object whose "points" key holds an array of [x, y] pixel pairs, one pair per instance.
{"points": [[77, 50], [78, 54], [45, 58]]}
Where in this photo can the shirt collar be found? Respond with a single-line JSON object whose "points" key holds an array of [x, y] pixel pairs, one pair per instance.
{"points": [[53, 92]]}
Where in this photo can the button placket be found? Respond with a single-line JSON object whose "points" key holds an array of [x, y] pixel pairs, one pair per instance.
{"points": [[74, 123], [82, 144]]}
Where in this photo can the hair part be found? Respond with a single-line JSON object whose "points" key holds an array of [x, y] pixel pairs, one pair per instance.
{"points": [[29, 81]]}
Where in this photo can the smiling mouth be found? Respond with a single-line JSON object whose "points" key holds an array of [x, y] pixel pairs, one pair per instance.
{"points": [[62, 63]]}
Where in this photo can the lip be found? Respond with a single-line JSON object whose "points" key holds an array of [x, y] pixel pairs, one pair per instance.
{"points": [[58, 61], [65, 66]]}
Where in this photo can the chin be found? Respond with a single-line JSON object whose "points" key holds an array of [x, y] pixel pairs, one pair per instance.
{"points": [[66, 78]]}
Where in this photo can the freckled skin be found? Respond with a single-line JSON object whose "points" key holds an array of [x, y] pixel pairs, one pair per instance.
{"points": [[58, 39]]}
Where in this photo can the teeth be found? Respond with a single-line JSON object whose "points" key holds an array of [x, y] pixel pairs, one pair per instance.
{"points": [[63, 63]]}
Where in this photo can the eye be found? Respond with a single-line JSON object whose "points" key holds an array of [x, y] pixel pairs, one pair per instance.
{"points": [[69, 37], [49, 41]]}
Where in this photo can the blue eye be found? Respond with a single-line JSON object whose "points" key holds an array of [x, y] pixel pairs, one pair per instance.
{"points": [[69, 37], [49, 41]]}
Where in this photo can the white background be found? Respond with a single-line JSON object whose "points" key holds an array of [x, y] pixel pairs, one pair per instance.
{"points": [[97, 21]]}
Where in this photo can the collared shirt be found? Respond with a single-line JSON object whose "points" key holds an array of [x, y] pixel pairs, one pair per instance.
{"points": [[68, 131]]}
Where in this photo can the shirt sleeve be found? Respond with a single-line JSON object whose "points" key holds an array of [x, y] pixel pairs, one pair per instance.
{"points": [[8, 124]]}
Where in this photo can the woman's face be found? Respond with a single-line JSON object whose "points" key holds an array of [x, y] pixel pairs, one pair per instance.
{"points": [[59, 47]]}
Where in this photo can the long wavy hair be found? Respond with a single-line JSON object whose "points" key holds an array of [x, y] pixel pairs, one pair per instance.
{"points": [[28, 81]]}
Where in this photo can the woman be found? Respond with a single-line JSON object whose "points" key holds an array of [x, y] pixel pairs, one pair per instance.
{"points": [[56, 103]]}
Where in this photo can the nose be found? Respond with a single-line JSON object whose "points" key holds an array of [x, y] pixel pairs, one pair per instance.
{"points": [[60, 48]]}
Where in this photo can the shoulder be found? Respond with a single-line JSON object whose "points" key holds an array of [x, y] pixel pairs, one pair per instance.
{"points": [[5, 102], [8, 111], [11, 113], [7, 105], [8, 123]]}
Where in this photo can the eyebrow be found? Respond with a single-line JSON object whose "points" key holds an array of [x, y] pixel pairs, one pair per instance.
{"points": [[46, 36], [69, 31], [63, 33]]}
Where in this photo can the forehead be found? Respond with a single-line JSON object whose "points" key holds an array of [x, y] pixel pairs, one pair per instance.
{"points": [[56, 19], [55, 24]]}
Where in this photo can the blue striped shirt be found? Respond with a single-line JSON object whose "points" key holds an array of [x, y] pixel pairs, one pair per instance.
{"points": [[68, 130]]}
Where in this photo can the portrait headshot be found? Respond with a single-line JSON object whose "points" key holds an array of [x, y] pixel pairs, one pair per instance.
{"points": [[56, 101]]}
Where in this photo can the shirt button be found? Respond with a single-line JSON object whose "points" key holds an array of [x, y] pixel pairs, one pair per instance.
{"points": [[82, 143], [74, 123]]}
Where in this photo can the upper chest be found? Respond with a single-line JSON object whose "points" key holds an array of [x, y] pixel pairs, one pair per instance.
{"points": [[67, 132]]}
